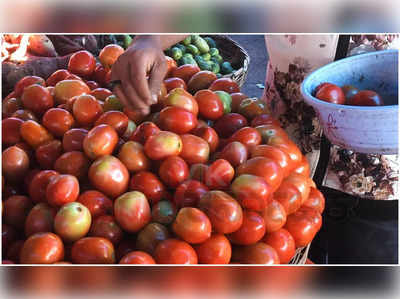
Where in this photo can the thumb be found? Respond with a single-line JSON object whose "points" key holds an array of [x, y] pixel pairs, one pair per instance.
{"points": [[157, 75]]}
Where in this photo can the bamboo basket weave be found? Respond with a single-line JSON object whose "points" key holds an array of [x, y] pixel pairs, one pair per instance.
{"points": [[237, 56], [300, 256]]}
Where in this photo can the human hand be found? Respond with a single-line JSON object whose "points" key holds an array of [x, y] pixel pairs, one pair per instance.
{"points": [[141, 70]]}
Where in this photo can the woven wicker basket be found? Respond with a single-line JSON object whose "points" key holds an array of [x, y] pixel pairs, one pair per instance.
{"points": [[300, 256], [234, 53]]}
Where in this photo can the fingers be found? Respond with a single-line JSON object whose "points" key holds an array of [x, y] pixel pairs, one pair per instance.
{"points": [[157, 75], [134, 99], [138, 75], [126, 92]]}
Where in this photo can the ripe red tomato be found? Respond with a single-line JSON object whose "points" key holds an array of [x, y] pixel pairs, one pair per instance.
{"points": [[228, 124], [265, 168], [92, 84], [75, 77], [82, 63], [97, 203], [164, 212], [9, 106], [197, 172], [24, 115], [58, 121], [149, 184], [248, 136], [93, 250], [201, 80], [56, 77], [259, 253], [303, 225], [72, 221], [224, 212], [252, 192], [16, 209], [109, 54], [225, 84], [316, 200], [86, 109], [194, 149], [235, 153], [100, 75], [34, 133], [302, 183], [74, 163], [289, 147], [209, 135], [106, 227], [349, 91], [40, 219], [115, 119], [37, 99], [321, 85], [137, 257], [62, 189], [14, 251], [185, 72], [101, 93], [275, 154], [173, 251], [73, 139], [8, 236], [331, 93], [108, 175], [67, 89], [288, 196], [251, 231], [48, 153], [150, 236], [219, 174], [10, 128], [265, 119], [303, 168], [42, 248], [189, 193], [252, 107], [180, 98], [237, 98], [282, 241], [366, 98], [173, 171], [15, 163], [100, 141], [162, 145], [274, 216], [37, 187], [144, 131], [210, 105], [132, 211], [177, 120], [270, 131], [25, 82], [133, 157], [215, 250], [174, 82], [192, 225]]}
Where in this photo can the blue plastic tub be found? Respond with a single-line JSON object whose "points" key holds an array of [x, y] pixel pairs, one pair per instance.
{"points": [[362, 129]]}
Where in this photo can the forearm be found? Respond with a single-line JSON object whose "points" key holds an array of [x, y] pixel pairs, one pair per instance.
{"points": [[164, 41]]}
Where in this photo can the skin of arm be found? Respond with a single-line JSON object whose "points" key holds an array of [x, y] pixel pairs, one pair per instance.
{"points": [[141, 70]]}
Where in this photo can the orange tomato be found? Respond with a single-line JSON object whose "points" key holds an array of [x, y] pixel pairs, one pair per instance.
{"points": [[66, 89], [109, 54]]}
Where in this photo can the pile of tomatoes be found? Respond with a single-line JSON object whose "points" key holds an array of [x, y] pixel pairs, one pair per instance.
{"points": [[347, 95], [209, 177]]}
